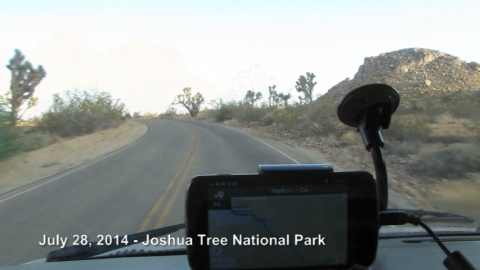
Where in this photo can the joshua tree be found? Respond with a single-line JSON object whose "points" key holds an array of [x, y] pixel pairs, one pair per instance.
{"points": [[189, 101], [273, 98], [252, 97], [284, 98], [22, 86], [305, 85]]}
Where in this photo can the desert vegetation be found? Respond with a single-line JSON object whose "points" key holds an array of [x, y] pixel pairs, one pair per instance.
{"points": [[81, 112], [24, 79], [437, 136], [432, 144], [189, 101], [72, 113]]}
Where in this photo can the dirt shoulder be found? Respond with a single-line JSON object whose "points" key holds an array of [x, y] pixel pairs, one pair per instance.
{"points": [[32, 166]]}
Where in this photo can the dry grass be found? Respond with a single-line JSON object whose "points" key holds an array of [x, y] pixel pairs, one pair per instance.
{"points": [[150, 115], [351, 138], [458, 197], [446, 125], [26, 123]]}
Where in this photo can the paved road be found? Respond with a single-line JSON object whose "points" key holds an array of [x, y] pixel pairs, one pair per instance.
{"points": [[138, 188]]}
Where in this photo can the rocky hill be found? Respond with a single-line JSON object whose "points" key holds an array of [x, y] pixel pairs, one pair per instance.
{"points": [[416, 72]]}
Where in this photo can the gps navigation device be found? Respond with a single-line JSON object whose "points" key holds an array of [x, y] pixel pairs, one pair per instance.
{"points": [[285, 217]]}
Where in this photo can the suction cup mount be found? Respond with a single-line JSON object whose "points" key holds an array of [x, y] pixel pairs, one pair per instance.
{"points": [[369, 108]]}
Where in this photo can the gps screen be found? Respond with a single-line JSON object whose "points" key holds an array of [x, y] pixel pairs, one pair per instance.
{"points": [[295, 227]]}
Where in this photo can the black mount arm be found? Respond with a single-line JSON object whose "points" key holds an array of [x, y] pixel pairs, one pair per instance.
{"points": [[371, 120], [369, 108]]}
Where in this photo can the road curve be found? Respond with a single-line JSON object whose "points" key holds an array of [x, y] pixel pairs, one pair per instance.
{"points": [[140, 187]]}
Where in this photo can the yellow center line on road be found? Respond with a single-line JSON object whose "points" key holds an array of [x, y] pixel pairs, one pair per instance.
{"points": [[181, 169], [168, 208]]}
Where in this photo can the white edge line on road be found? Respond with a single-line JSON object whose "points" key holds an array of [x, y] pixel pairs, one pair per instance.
{"points": [[36, 261], [77, 169], [292, 159], [244, 133], [389, 191]]}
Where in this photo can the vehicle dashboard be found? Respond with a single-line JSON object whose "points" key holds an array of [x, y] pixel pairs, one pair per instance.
{"points": [[418, 252]]}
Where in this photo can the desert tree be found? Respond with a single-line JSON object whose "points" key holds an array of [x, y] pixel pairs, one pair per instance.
{"points": [[284, 98], [273, 96], [24, 79], [252, 97], [305, 85], [189, 101]]}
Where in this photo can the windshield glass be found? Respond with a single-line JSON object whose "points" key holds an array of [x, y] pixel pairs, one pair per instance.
{"points": [[109, 108]]}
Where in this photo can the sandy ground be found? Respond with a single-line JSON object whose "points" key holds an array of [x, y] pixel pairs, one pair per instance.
{"points": [[33, 166]]}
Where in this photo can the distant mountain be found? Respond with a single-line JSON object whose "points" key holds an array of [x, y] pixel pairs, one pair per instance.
{"points": [[415, 72], [144, 75]]}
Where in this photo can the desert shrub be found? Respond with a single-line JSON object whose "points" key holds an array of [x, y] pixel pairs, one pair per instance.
{"points": [[8, 142], [282, 117], [351, 138], [409, 106], [17, 139], [411, 128], [429, 108], [320, 117], [433, 109], [447, 139], [476, 128], [223, 113], [150, 115], [268, 119], [401, 148], [31, 141], [250, 113], [469, 110], [316, 118], [8, 135], [170, 112], [204, 114], [416, 106], [287, 117], [451, 162], [76, 113], [243, 111]]}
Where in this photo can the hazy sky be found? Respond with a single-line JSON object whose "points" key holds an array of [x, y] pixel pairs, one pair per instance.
{"points": [[218, 39]]}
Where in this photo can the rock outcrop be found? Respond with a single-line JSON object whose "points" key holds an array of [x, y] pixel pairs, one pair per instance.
{"points": [[415, 72]]}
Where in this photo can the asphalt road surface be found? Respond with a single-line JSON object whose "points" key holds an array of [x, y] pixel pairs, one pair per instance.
{"points": [[138, 188]]}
